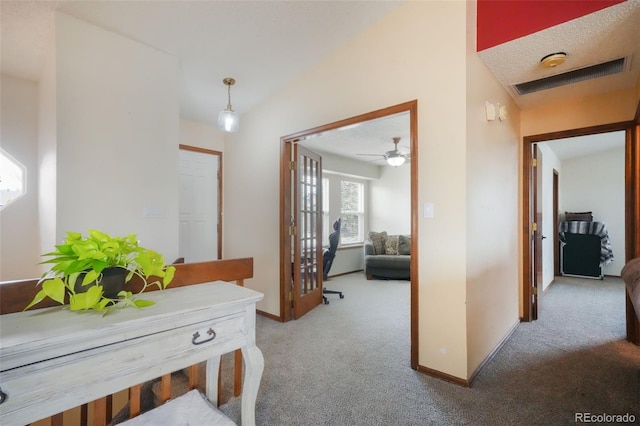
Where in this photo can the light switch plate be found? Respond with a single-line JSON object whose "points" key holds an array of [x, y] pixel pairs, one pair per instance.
{"points": [[490, 111], [428, 210]]}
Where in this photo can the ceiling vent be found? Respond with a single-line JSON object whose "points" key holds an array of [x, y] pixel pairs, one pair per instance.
{"points": [[575, 76]]}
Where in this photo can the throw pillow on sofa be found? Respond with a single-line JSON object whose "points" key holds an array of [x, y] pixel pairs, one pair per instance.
{"points": [[391, 246], [404, 244], [378, 240]]}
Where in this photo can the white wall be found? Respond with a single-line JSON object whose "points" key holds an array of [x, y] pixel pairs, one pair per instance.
{"points": [[348, 259], [201, 135], [390, 63], [549, 162], [348, 167], [390, 201], [117, 136], [30, 125], [581, 112], [19, 228], [602, 192], [47, 153], [491, 208]]}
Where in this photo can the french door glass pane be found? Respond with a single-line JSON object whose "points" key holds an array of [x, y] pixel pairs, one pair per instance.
{"points": [[307, 225]]}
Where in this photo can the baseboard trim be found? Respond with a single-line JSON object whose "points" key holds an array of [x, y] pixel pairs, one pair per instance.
{"points": [[467, 383], [268, 315], [553, 281], [343, 273], [493, 353], [443, 376]]}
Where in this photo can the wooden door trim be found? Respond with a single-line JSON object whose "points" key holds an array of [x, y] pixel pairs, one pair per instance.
{"points": [[632, 184], [220, 174], [285, 205], [536, 235], [632, 215], [556, 217], [285, 246], [632, 178]]}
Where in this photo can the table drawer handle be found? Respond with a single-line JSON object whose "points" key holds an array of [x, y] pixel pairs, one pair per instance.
{"points": [[196, 335], [3, 396]]}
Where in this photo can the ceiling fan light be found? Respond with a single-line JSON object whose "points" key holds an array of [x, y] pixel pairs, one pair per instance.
{"points": [[395, 160]]}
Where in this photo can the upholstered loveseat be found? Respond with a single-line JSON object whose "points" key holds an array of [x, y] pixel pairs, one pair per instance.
{"points": [[387, 256]]}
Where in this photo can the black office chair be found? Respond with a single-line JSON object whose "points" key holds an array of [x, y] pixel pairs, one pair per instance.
{"points": [[327, 259]]}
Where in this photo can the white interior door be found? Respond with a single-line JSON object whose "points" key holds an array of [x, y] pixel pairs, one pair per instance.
{"points": [[199, 205]]}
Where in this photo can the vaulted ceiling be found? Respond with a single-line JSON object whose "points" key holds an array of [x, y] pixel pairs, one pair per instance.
{"points": [[262, 44], [265, 44]]}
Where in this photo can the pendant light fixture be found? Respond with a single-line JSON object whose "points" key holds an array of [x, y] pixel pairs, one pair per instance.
{"points": [[228, 119]]}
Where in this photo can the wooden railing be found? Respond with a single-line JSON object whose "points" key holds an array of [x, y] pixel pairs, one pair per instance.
{"points": [[15, 295]]}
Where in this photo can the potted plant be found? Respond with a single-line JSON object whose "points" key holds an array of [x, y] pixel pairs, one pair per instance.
{"points": [[83, 267]]}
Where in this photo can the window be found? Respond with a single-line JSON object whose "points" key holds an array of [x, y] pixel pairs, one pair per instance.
{"points": [[352, 212], [343, 197], [12, 179], [326, 226]]}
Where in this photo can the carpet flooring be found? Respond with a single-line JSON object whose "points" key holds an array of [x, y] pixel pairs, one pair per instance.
{"points": [[347, 363]]}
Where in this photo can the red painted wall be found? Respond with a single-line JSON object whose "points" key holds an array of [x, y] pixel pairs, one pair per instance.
{"points": [[500, 21]]}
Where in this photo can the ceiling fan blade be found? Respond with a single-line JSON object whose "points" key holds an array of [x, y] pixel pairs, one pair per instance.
{"points": [[390, 155]]}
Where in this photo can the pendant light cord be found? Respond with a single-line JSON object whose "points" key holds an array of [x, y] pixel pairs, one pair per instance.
{"points": [[229, 82]]}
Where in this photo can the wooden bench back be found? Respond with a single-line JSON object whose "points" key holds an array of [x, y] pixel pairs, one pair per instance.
{"points": [[15, 295]]}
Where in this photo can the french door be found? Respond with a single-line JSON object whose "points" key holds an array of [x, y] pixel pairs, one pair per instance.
{"points": [[306, 231]]}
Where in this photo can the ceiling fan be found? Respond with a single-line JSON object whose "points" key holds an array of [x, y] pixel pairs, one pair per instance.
{"points": [[394, 157]]}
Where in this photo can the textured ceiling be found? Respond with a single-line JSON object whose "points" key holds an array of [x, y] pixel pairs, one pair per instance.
{"points": [[589, 40], [366, 142]]}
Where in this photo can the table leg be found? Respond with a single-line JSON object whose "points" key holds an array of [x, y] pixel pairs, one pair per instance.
{"points": [[253, 368], [212, 374]]}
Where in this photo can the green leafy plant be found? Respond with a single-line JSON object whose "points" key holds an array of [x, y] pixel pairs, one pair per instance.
{"points": [[86, 258]]}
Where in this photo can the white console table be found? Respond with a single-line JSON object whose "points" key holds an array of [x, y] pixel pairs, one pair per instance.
{"points": [[52, 359]]}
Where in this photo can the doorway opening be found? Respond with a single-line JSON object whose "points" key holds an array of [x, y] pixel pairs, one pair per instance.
{"points": [[290, 296], [533, 233], [200, 204]]}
